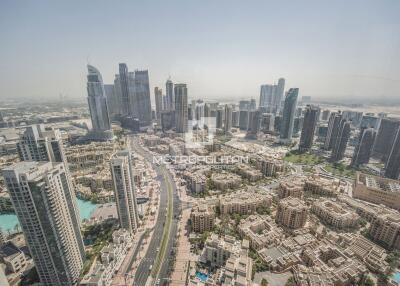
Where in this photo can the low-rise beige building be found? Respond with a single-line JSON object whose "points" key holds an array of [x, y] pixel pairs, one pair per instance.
{"points": [[322, 186], [225, 180], [202, 218], [386, 229], [291, 189], [244, 202], [248, 172], [217, 250], [334, 214], [377, 190], [291, 213], [261, 231]]}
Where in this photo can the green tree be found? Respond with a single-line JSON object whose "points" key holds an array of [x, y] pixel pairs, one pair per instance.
{"points": [[290, 282], [369, 282]]}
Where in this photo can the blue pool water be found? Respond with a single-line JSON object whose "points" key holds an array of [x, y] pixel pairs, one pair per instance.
{"points": [[396, 277], [8, 222], [201, 276], [86, 208]]}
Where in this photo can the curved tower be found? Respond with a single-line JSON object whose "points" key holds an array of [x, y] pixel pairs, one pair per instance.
{"points": [[97, 103]]}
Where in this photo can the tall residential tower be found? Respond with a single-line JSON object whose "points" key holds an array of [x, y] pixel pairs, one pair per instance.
{"points": [[124, 190], [39, 192], [289, 110]]}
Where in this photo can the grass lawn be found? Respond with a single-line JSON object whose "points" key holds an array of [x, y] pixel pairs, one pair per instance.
{"points": [[303, 158], [340, 170]]}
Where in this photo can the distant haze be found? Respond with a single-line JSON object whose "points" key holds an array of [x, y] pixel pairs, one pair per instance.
{"points": [[331, 50]]}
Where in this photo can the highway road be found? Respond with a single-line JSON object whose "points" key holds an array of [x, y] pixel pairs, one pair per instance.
{"points": [[166, 184]]}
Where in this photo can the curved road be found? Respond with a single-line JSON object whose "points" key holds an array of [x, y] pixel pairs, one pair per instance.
{"points": [[167, 192]]}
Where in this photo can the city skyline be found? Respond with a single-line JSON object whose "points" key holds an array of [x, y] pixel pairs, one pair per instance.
{"points": [[220, 58], [217, 143]]}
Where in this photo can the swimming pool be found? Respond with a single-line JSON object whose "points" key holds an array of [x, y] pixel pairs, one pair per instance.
{"points": [[202, 276], [396, 277]]}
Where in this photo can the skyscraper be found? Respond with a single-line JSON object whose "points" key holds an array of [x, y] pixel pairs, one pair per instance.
{"points": [[267, 122], [158, 100], [124, 89], [310, 123], [244, 105], [385, 138], [170, 97], [243, 119], [124, 190], [37, 143], [98, 108], [181, 108], [267, 94], [112, 100], [280, 90], [38, 192], [392, 167], [254, 124], [43, 145], [235, 118], [340, 143], [325, 114], [228, 118], [142, 97], [253, 104], [219, 120], [289, 110], [363, 150], [271, 96], [333, 129]]}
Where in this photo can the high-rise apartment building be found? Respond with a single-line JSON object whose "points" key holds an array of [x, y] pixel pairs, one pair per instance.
{"points": [[254, 124], [124, 89], [271, 96], [267, 122], [101, 125], [333, 129], [181, 108], [170, 96], [38, 143], [243, 119], [41, 144], [363, 150], [219, 119], [39, 192], [112, 100], [244, 105], [325, 115], [267, 94], [228, 118], [235, 118], [392, 167], [310, 123], [289, 110], [142, 100], [342, 138], [253, 104], [158, 98], [385, 138], [124, 190]]}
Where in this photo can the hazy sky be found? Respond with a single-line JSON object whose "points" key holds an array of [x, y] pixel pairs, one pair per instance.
{"points": [[221, 49]]}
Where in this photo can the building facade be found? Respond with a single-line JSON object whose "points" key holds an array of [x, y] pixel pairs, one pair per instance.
{"points": [[125, 197], [39, 191], [289, 109]]}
